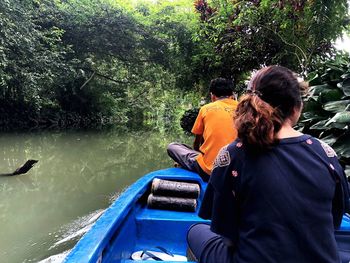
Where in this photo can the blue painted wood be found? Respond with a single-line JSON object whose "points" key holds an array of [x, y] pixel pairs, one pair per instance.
{"points": [[345, 224], [128, 225]]}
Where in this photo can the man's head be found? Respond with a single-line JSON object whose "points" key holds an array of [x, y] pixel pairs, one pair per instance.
{"points": [[221, 87]]}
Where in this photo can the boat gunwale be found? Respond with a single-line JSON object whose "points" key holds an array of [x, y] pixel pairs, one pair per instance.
{"points": [[91, 246]]}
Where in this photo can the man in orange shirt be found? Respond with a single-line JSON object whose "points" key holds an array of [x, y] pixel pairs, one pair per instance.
{"points": [[213, 129]]}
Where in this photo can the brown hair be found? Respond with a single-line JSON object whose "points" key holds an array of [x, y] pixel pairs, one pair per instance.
{"points": [[272, 95]]}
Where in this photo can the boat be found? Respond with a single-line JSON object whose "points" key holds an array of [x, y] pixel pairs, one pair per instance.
{"points": [[129, 225]]}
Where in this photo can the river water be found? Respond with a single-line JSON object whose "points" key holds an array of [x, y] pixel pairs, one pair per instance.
{"points": [[79, 174]]}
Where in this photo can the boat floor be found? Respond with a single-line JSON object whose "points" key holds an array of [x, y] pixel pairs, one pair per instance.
{"points": [[153, 227]]}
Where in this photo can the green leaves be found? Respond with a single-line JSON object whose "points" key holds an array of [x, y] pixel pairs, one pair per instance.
{"points": [[342, 147], [247, 34], [318, 89], [341, 117], [31, 55], [327, 109], [93, 58], [345, 85], [337, 106]]}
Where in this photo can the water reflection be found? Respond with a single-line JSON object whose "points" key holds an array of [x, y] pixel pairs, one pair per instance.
{"points": [[77, 175]]}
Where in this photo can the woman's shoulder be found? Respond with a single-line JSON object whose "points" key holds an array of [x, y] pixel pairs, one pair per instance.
{"points": [[324, 152], [321, 146], [229, 152], [236, 147]]}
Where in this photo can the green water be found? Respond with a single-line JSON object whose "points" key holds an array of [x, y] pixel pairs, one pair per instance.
{"points": [[78, 175]]}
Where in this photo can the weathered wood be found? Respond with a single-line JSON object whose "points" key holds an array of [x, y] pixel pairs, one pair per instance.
{"points": [[175, 188], [171, 203]]}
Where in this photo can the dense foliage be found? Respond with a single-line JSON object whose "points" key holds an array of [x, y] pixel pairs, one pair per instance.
{"points": [[188, 119], [84, 63], [327, 108], [32, 61], [250, 33]]}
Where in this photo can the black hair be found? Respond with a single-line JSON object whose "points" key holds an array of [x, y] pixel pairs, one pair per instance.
{"points": [[273, 94], [221, 87]]}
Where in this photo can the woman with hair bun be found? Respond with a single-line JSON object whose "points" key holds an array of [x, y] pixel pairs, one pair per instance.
{"points": [[275, 194]]}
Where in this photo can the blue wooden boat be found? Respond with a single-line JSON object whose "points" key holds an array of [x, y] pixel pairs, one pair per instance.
{"points": [[128, 225]]}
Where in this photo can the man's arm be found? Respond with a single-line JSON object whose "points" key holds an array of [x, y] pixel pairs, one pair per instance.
{"points": [[198, 141]]}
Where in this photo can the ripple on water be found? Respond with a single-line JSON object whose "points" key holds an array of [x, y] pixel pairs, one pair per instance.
{"points": [[69, 234]]}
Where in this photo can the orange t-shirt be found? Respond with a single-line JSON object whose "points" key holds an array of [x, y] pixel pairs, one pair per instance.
{"points": [[215, 123]]}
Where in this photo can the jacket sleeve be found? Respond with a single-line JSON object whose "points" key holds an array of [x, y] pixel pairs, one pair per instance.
{"points": [[341, 199], [220, 203], [344, 186]]}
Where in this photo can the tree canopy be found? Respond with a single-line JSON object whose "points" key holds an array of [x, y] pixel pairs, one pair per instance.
{"points": [[82, 63], [64, 62], [250, 33]]}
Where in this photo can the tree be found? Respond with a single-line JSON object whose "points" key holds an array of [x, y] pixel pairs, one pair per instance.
{"points": [[31, 58], [245, 34], [64, 62]]}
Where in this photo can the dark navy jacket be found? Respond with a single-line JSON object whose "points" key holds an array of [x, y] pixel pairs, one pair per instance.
{"points": [[280, 206]]}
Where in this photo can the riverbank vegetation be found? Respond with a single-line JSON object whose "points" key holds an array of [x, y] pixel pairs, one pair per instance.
{"points": [[86, 63], [326, 113], [91, 63]]}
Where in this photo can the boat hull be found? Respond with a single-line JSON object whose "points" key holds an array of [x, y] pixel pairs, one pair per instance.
{"points": [[128, 225]]}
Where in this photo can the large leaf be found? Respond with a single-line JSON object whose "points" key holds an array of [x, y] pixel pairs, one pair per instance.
{"points": [[316, 90], [333, 73], [319, 125], [312, 105], [345, 76], [314, 79], [336, 106], [330, 95], [329, 139], [311, 116], [347, 170], [341, 117], [342, 147], [340, 126], [345, 85]]}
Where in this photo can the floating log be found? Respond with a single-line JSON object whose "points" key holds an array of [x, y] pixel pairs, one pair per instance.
{"points": [[172, 203], [23, 169], [174, 188]]}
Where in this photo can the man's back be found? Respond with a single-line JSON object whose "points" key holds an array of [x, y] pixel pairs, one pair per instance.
{"points": [[215, 124], [214, 128]]}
